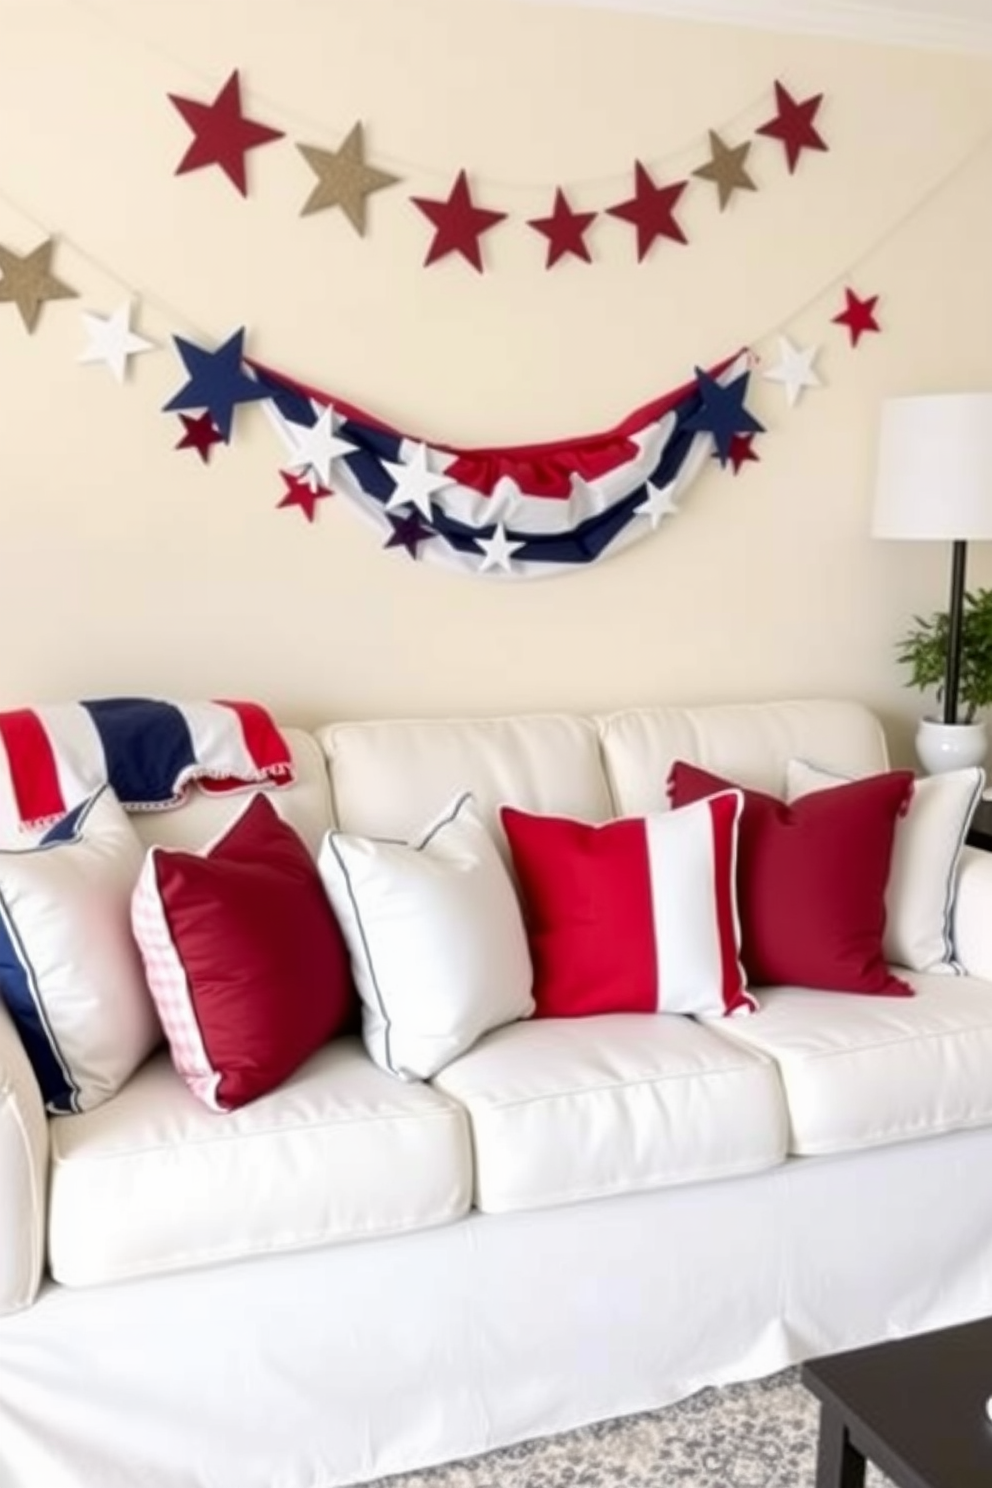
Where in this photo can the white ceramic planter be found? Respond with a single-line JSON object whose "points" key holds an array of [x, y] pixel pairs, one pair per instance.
{"points": [[950, 746]]}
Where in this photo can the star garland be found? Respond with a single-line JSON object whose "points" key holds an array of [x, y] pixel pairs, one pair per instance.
{"points": [[223, 135]]}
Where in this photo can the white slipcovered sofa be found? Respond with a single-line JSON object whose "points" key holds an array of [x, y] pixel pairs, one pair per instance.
{"points": [[357, 1275]]}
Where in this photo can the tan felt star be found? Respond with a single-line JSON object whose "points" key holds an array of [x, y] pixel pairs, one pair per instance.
{"points": [[27, 281], [725, 168], [344, 179]]}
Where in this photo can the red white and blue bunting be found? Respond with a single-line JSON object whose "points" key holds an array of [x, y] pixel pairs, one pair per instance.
{"points": [[510, 512]]}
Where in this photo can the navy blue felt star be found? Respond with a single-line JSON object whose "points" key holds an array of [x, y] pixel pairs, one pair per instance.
{"points": [[722, 412], [408, 532], [217, 381]]}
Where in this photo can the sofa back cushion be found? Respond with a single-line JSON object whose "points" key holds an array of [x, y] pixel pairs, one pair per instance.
{"points": [[388, 778], [749, 743]]}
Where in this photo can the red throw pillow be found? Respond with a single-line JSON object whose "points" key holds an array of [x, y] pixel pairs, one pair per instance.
{"points": [[244, 958], [811, 880], [633, 916]]}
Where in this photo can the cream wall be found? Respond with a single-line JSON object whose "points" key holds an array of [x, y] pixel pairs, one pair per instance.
{"points": [[129, 567]]}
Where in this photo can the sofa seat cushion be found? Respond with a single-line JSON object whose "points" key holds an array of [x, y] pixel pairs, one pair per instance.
{"points": [[153, 1181], [861, 1071], [568, 1109]]}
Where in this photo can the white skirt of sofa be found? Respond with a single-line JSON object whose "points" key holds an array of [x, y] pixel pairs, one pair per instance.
{"points": [[339, 1365]]}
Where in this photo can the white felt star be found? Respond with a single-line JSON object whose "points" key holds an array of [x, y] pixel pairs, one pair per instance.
{"points": [[110, 340], [660, 503], [794, 369], [416, 483], [497, 550], [318, 447]]}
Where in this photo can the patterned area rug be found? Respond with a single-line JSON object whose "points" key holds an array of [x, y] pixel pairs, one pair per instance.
{"points": [[760, 1435]]}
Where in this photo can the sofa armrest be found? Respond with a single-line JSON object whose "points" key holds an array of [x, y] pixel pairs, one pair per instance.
{"points": [[972, 918], [23, 1173]]}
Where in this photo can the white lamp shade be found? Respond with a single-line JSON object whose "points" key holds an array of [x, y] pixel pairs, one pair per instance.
{"points": [[934, 477]]}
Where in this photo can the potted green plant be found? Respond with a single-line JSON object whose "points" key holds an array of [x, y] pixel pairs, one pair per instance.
{"points": [[923, 649]]}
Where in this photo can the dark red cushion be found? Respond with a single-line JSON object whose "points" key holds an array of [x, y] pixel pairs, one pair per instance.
{"points": [[811, 880], [248, 928]]}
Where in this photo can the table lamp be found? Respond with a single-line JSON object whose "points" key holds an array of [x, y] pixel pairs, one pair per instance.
{"points": [[934, 484]]}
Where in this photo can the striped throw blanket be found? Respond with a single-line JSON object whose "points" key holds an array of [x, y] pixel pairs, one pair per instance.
{"points": [[150, 752]]}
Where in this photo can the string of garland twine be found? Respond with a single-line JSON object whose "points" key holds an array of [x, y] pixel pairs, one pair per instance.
{"points": [[106, 270], [974, 152], [743, 122], [178, 317]]}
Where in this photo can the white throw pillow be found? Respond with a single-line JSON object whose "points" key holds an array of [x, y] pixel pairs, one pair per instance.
{"points": [[70, 970], [925, 851], [436, 937]]}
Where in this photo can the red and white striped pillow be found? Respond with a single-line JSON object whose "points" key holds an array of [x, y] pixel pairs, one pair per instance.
{"points": [[636, 915], [244, 958]]}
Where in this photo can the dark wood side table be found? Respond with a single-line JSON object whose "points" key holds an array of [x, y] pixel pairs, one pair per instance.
{"points": [[980, 834], [915, 1408]]}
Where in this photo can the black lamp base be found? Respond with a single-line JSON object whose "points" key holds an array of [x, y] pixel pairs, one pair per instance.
{"points": [[955, 616]]}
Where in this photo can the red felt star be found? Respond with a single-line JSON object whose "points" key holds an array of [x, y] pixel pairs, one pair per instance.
{"points": [[565, 230], [858, 315], [301, 493], [741, 450], [793, 125], [651, 210], [201, 434], [458, 223], [221, 134]]}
